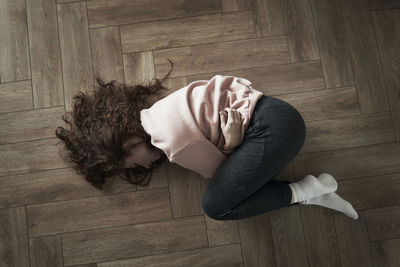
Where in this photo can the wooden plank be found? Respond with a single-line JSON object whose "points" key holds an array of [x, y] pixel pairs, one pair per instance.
{"points": [[134, 240], [350, 163], [46, 251], [320, 236], [30, 125], [98, 212], [277, 79], [47, 186], [16, 96], [62, 184], [167, 34], [384, 4], [66, 1], [386, 253], [139, 67], [75, 50], [348, 132], [14, 52], [300, 32], [14, 234], [287, 233], [383, 223], [45, 54], [332, 44], [185, 195], [364, 55], [217, 256], [118, 12], [255, 232], [219, 232], [372, 192], [256, 240], [224, 56], [387, 29], [268, 17], [235, 5], [324, 104], [106, 54], [353, 240], [30, 156]]}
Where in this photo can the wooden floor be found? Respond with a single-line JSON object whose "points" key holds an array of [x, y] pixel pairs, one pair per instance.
{"points": [[336, 61]]}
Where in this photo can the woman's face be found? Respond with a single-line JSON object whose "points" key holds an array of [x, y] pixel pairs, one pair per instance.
{"points": [[139, 154]]}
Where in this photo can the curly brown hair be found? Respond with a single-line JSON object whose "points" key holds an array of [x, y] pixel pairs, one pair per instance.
{"points": [[99, 126]]}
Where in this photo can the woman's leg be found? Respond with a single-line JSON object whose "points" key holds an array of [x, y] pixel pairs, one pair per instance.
{"points": [[243, 186]]}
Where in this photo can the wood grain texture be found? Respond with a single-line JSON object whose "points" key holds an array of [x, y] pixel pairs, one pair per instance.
{"points": [[222, 56], [45, 54], [14, 247], [386, 253], [106, 54], [332, 44], [99, 212], [353, 241], [37, 155], [257, 242], [187, 192], [167, 34], [324, 104], [30, 125], [14, 52], [383, 223], [53, 185], [268, 17], [120, 12], [277, 79], [364, 55], [320, 236], [134, 240], [289, 243], [75, 50], [15, 96], [62, 184], [384, 4], [139, 67], [46, 251], [351, 162], [372, 192], [348, 132], [220, 232], [218, 256], [235, 5], [387, 29], [300, 32]]}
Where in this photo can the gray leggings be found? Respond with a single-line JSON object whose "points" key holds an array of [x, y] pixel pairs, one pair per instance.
{"points": [[244, 184]]}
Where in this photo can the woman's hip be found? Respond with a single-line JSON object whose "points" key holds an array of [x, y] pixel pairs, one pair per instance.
{"points": [[275, 118]]}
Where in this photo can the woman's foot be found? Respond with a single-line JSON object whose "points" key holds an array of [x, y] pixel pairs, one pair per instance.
{"points": [[333, 201], [310, 187]]}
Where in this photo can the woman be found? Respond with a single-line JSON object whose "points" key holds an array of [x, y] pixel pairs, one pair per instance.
{"points": [[222, 128]]}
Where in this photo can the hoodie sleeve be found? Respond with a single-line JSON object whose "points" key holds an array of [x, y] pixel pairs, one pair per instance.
{"points": [[201, 156]]}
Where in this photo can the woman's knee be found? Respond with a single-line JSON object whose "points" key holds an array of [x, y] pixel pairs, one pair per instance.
{"points": [[210, 208]]}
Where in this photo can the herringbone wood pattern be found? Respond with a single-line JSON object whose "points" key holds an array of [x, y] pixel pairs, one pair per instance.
{"points": [[336, 61]]}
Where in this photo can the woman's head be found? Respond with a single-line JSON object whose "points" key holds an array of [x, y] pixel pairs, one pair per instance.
{"points": [[105, 135]]}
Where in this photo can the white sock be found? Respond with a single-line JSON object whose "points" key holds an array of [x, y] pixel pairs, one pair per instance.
{"points": [[311, 187], [333, 201]]}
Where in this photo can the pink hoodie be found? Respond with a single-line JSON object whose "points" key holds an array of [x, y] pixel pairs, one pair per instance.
{"points": [[186, 123]]}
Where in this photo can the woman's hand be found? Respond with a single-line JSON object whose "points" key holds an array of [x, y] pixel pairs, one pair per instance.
{"points": [[231, 128]]}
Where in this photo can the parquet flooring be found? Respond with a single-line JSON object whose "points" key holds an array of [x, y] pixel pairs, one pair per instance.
{"points": [[336, 61]]}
